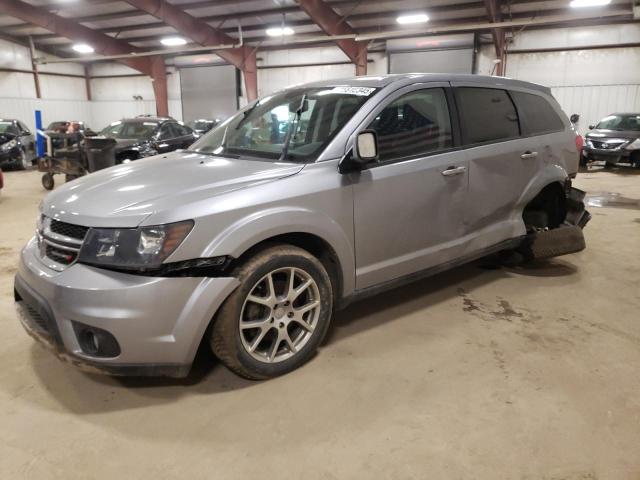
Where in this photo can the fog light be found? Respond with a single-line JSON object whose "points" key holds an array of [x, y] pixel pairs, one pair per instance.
{"points": [[96, 342]]}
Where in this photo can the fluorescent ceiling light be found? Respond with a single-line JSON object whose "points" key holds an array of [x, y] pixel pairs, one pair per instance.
{"points": [[279, 31], [173, 41], [589, 3], [413, 18], [83, 48]]}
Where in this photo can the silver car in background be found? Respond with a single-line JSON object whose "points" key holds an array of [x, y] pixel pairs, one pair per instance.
{"points": [[302, 202]]}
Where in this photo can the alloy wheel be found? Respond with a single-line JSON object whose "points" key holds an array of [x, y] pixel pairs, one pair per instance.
{"points": [[279, 315]]}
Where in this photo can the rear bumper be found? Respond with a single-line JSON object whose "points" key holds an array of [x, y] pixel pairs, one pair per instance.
{"points": [[158, 323]]}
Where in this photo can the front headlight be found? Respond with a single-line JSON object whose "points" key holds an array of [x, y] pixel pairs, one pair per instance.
{"points": [[9, 145], [133, 248], [634, 145]]}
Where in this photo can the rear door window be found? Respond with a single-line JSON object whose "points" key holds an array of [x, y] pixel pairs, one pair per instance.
{"points": [[415, 124], [537, 116], [486, 115]]}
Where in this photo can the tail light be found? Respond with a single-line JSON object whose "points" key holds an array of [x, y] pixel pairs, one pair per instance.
{"points": [[579, 142]]}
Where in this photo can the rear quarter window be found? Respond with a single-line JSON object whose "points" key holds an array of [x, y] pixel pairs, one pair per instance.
{"points": [[486, 115], [537, 116]]}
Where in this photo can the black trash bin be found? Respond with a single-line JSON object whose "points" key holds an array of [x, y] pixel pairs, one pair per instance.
{"points": [[100, 153]]}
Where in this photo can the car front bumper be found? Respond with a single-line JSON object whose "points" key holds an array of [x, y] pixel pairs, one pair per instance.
{"points": [[10, 156], [158, 322], [609, 156]]}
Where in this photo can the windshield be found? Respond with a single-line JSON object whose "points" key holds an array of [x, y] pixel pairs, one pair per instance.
{"points": [[621, 123], [262, 129], [130, 130], [7, 127]]}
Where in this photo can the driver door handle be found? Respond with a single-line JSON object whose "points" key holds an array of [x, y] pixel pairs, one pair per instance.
{"points": [[528, 154], [454, 171]]}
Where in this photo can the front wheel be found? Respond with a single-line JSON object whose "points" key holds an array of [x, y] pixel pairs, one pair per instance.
{"points": [[275, 320], [21, 160], [47, 181]]}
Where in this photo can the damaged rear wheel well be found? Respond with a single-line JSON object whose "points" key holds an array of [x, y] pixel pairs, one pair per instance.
{"points": [[547, 209]]}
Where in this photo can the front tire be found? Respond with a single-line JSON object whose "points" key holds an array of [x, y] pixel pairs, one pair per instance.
{"points": [[278, 316], [21, 161], [47, 181]]}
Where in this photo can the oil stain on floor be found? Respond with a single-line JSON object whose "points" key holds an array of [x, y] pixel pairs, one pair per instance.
{"points": [[611, 199]]}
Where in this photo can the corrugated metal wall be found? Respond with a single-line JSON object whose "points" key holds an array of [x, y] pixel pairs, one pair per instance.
{"points": [[593, 102]]}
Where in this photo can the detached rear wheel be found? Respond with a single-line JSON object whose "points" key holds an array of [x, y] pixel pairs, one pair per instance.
{"points": [[275, 320]]}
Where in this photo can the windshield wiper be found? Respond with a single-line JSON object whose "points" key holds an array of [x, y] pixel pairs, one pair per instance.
{"points": [[292, 128]]}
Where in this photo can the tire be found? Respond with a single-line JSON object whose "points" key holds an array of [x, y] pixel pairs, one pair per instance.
{"points": [[47, 181], [583, 161], [279, 343], [22, 162]]}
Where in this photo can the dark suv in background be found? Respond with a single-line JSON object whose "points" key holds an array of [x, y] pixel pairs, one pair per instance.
{"points": [[146, 136], [17, 144], [615, 139]]}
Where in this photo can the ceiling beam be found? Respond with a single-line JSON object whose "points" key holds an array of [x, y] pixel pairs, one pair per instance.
{"points": [[64, 27], [333, 24], [243, 57], [259, 14], [101, 43]]}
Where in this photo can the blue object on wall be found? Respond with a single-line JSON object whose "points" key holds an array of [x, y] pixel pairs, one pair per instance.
{"points": [[40, 138]]}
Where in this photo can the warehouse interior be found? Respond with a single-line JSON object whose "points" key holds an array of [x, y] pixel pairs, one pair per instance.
{"points": [[482, 371]]}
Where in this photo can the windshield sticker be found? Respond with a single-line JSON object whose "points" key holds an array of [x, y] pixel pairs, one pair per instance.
{"points": [[359, 91]]}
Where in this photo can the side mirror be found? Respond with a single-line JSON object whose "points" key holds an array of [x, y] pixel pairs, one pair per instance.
{"points": [[575, 118], [366, 147], [591, 127]]}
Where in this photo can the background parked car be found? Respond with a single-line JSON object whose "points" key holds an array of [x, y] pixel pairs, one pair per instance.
{"points": [[17, 144], [202, 125], [145, 136], [615, 139]]}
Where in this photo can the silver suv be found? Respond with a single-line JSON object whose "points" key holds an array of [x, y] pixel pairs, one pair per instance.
{"points": [[302, 202]]}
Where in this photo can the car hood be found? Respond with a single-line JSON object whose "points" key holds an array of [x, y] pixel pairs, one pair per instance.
{"points": [[124, 195], [597, 134]]}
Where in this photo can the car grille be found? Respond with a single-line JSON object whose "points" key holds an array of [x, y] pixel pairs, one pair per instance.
{"points": [[606, 145], [59, 242], [68, 230]]}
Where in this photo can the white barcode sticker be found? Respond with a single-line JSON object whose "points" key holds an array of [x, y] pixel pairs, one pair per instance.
{"points": [[359, 91]]}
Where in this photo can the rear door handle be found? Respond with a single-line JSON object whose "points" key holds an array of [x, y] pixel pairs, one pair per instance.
{"points": [[454, 171], [528, 154]]}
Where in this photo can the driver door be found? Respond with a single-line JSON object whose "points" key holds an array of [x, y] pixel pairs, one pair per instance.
{"points": [[409, 204]]}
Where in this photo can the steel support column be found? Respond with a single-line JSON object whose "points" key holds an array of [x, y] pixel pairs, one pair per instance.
{"points": [[498, 34], [159, 78], [333, 24], [204, 34]]}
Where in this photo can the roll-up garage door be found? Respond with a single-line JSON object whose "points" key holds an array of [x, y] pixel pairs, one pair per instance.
{"points": [[442, 54], [208, 92]]}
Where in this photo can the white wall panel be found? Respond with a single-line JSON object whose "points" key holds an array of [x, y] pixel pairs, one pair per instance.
{"points": [[105, 112], [273, 79], [576, 37], [24, 109], [62, 88], [14, 56], [17, 85], [595, 102]]}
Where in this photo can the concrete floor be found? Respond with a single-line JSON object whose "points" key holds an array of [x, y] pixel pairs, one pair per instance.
{"points": [[476, 373]]}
